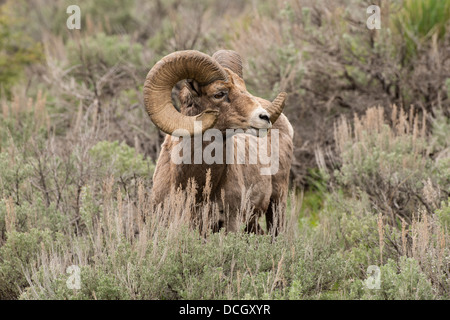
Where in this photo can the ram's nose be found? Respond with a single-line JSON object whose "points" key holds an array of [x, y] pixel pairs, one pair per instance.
{"points": [[260, 119]]}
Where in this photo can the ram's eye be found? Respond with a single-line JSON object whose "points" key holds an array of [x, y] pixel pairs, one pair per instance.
{"points": [[219, 95]]}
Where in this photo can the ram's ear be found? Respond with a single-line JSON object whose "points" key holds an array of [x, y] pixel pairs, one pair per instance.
{"points": [[193, 87]]}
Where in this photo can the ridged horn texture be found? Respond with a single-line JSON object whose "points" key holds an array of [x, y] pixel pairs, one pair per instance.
{"points": [[229, 59], [161, 79], [277, 107]]}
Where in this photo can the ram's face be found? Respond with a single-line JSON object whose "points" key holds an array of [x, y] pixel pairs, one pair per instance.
{"points": [[214, 93], [236, 107]]}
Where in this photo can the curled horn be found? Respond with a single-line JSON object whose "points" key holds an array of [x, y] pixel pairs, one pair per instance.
{"points": [[229, 59], [162, 78]]}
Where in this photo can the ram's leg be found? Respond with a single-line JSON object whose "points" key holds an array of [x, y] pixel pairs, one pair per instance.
{"points": [[253, 225], [219, 222], [275, 216], [270, 217]]}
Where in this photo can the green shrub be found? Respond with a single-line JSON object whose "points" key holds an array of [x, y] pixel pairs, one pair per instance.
{"points": [[120, 161], [443, 214], [418, 20], [20, 252], [318, 272], [388, 163], [14, 171], [104, 50], [18, 49], [402, 280]]}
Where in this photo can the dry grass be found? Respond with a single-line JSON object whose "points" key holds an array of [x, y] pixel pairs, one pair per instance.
{"points": [[152, 234], [383, 195], [388, 162], [391, 164]]}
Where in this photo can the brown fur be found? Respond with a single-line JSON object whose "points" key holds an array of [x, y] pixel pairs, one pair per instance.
{"points": [[266, 192]]}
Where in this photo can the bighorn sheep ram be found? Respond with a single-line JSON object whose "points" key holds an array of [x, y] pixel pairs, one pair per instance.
{"points": [[214, 93]]}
